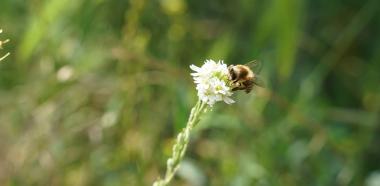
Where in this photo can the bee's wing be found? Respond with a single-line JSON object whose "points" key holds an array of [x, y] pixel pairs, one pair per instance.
{"points": [[255, 66], [259, 82]]}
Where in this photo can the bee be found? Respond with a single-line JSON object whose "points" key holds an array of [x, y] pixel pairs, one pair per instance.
{"points": [[245, 77]]}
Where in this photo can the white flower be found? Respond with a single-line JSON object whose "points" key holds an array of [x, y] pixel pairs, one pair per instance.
{"points": [[212, 82]]}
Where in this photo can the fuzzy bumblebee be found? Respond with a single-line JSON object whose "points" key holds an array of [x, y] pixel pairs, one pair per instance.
{"points": [[244, 77]]}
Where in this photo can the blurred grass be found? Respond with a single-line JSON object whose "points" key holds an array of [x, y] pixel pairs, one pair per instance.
{"points": [[95, 91]]}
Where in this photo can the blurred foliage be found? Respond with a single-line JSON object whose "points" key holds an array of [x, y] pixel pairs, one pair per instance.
{"points": [[95, 91]]}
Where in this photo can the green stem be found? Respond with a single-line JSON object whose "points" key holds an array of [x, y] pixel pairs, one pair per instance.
{"points": [[180, 146], [3, 57]]}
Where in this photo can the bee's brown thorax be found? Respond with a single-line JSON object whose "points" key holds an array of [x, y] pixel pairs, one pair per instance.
{"points": [[233, 75], [243, 73]]}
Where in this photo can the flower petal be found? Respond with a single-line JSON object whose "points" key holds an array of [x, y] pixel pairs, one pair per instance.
{"points": [[228, 100], [211, 81], [195, 68]]}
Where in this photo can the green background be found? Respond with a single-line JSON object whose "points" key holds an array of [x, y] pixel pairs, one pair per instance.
{"points": [[95, 91]]}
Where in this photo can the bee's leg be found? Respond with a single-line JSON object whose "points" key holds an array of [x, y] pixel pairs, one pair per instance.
{"points": [[237, 86], [248, 87]]}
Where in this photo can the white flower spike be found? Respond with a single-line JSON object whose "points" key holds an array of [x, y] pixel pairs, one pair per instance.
{"points": [[213, 85], [212, 82]]}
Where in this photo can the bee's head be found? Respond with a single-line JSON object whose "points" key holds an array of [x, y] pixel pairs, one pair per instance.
{"points": [[232, 72]]}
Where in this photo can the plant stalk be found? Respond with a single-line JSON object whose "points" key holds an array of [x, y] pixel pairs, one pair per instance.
{"points": [[179, 148]]}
